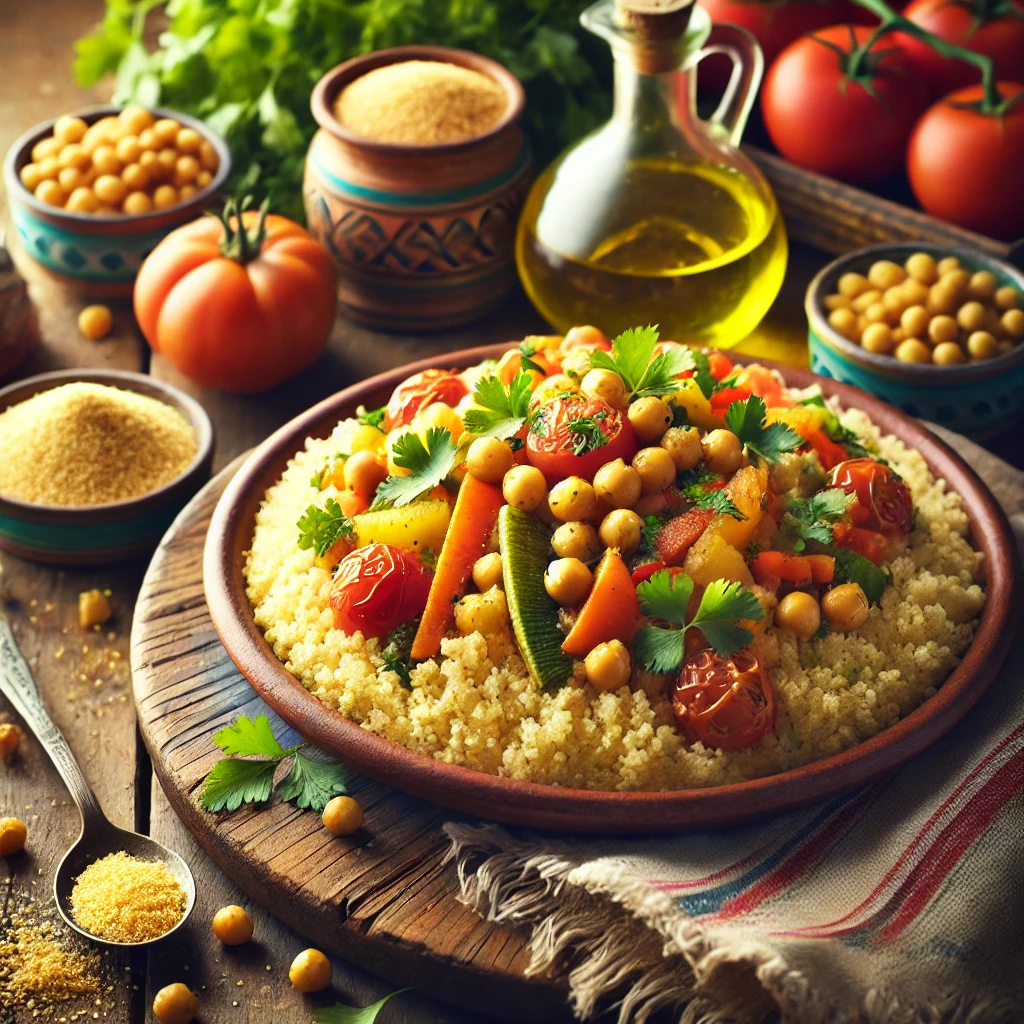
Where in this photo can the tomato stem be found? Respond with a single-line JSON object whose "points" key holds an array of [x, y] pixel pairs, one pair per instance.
{"points": [[238, 244], [893, 22]]}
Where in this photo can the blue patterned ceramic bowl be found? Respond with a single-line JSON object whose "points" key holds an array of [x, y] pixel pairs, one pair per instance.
{"points": [[97, 534], [979, 399], [94, 254]]}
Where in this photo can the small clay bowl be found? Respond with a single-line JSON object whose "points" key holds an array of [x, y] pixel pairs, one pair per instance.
{"points": [[423, 237], [979, 399], [98, 534], [96, 255]]}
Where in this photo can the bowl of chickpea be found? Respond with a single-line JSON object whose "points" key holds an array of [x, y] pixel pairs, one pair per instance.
{"points": [[93, 192], [936, 332]]}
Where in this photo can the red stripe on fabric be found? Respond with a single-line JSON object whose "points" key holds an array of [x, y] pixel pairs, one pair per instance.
{"points": [[669, 886]]}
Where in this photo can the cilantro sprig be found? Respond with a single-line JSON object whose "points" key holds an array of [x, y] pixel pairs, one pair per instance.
{"points": [[502, 411], [767, 442], [397, 651], [321, 528], [311, 781], [341, 1014], [428, 465], [586, 434], [813, 518], [722, 604], [632, 358], [716, 501], [371, 417], [702, 374]]}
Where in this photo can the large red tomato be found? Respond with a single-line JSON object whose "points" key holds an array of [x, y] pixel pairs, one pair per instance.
{"points": [[237, 308], [724, 702], [565, 437], [419, 391], [994, 30], [883, 503], [966, 166], [851, 128], [377, 588]]}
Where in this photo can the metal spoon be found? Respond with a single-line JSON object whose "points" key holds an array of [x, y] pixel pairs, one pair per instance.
{"points": [[98, 836]]}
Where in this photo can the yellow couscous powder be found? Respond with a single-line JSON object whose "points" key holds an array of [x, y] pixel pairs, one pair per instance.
{"points": [[421, 103], [87, 444], [124, 899]]}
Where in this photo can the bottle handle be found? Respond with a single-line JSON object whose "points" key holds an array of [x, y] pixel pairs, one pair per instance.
{"points": [[730, 118]]}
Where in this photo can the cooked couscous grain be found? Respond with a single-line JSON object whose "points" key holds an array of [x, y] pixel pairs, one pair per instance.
{"points": [[88, 444], [37, 969], [124, 899]]}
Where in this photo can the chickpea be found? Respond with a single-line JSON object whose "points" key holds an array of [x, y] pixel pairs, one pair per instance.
{"points": [[956, 281], [683, 445], [845, 607], [947, 264], [343, 816], [168, 161], [1013, 322], [188, 141], [46, 147], [568, 581], [50, 192], [885, 274], [12, 836], [943, 328], [524, 487], [851, 285], [203, 178], [30, 176], [845, 322], [913, 350], [649, 417], [136, 203], [549, 387], [894, 301], [798, 613], [186, 170], [366, 438], [618, 484], [489, 459], [70, 178], [439, 414], [166, 130], [874, 314], [723, 452], [622, 529], [832, 302], [363, 473], [584, 334], [128, 149], [110, 189], [982, 286], [106, 161], [135, 177], [186, 192], [981, 345], [1006, 297], [865, 299], [135, 119], [175, 1004], [576, 540], [150, 163], [10, 739], [48, 169], [208, 157], [656, 468], [165, 196], [72, 155], [148, 141], [914, 292], [310, 971], [948, 353], [915, 321], [96, 135], [942, 301], [608, 666], [232, 925], [921, 267], [82, 200], [109, 127], [878, 338], [971, 315], [69, 129], [606, 385], [571, 499], [95, 322], [487, 572]]}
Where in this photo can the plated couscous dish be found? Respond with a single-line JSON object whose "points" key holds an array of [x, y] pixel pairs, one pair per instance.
{"points": [[618, 565]]}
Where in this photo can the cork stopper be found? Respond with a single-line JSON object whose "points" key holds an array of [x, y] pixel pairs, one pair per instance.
{"points": [[657, 27]]}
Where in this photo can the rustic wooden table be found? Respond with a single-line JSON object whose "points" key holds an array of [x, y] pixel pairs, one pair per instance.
{"points": [[85, 677]]}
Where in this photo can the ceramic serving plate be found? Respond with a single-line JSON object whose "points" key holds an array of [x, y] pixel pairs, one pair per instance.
{"points": [[577, 810]]}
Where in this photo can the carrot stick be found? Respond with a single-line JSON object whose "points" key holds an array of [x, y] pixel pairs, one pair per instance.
{"points": [[472, 522], [611, 612]]}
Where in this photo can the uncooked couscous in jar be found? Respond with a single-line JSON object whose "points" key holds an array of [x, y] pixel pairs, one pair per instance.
{"points": [[421, 103]]}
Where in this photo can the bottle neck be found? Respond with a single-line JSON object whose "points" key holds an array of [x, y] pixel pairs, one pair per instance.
{"points": [[648, 103]]}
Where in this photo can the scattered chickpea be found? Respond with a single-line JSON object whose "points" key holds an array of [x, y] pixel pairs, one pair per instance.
{"points": [[798, 613], [618, 484], [489, 459], [846, 607], [568, 581], [232, 925], [13, 834], [343, 816], [723, 452], [622, 528], [948, 353], [683, 445], [571, 499], [982, 345], [608, 666], [175, 1004], [487, 571], [524, 487], [606, 385], [576, 540], [310, 971], [95, 322], [10, 740], [913, 350], [649, 417], [93, 608]]}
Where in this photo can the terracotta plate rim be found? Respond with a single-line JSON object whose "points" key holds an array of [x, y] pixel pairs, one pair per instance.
{"points": [[598, 811]]}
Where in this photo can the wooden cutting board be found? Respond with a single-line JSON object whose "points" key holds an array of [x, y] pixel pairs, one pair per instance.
{"points": [[384, 898]]}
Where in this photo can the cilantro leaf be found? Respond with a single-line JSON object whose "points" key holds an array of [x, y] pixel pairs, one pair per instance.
{"points": [[233, 782], [702, 373], [503, 410], [660, 650], [586, 434], [313, 780], [722, 604], [746, 420], [649, 532], [248, 737], [813, 518], [339, 1014], [714, 501], [372, 417], [429, 464], [633, 359], [397, 650], [662, 597], [526, 349], [320, 528]]}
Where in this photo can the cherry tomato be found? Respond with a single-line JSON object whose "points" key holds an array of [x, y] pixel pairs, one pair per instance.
{"points": [[965, 166], [872, 545], [419, 391], [720, 365], [724, 702], [562, 427], [240, 317], [377, 588], [854, 129], [883, 501], [994, 30]]}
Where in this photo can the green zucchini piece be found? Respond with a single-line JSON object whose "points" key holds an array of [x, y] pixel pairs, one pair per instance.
{"points": [[525, 543]]}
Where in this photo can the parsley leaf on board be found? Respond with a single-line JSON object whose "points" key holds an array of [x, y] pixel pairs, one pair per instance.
{"points": [[339, 1014], [313, 780], [248, 738], [502, 411], [428, 464], [371, 417], [233, 782], [769, 442], [813, 518], [633, 359], [321, 528]]}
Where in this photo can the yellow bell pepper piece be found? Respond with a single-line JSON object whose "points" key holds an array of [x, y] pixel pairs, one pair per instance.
{"points": [[423, 524], [698, 408]]}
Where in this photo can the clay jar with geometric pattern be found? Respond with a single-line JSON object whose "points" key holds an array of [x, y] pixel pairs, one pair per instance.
{"points": [[422, 236]]}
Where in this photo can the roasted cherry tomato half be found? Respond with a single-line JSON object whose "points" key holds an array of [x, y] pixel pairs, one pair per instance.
{"points": [[724, 702], [419, 391], [377, 588], [576, 436], [883, 502]]}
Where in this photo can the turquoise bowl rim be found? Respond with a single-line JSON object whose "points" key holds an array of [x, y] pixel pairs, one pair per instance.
{"points": [[99, 533]]}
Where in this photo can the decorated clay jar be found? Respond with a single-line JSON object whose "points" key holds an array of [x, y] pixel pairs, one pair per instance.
{"points": [[422, 236]]}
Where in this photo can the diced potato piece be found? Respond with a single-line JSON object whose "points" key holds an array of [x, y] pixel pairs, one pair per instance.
{"points": [[423, 524], [93, 608], [698, 408], [747, 489], [711, 558]]}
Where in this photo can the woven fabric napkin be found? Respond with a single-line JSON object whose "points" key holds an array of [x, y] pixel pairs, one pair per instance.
{"points": [[901, 902]]}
